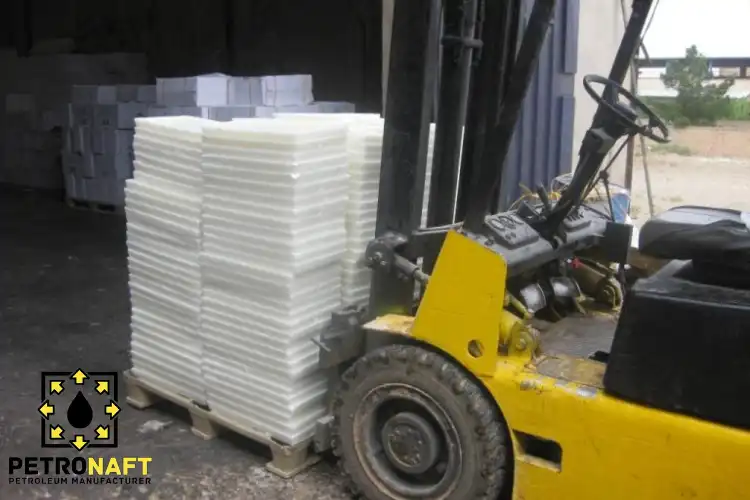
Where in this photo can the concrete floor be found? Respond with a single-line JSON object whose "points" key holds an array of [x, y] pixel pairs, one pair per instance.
{"points": [[64, 305]]}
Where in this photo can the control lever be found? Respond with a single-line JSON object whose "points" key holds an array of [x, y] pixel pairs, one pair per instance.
{"points": [[544, 197]]}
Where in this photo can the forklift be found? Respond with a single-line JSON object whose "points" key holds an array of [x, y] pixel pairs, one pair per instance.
{"points": [[446, 387]]}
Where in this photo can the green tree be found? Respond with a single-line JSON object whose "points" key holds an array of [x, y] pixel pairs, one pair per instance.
{"points": [[699, 101]]}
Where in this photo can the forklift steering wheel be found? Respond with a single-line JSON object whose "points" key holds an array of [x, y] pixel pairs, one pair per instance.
{"points": [[627, 112]]}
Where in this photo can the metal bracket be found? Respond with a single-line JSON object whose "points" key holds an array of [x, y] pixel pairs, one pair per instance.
{"points": [[383, 254], [428, 240], [344, 339], [466, 42], [322, 437]]}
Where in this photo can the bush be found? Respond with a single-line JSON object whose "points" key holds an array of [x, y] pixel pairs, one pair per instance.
{"points": [[665, 107], [698, 101], [668, 109], [739, 109]]}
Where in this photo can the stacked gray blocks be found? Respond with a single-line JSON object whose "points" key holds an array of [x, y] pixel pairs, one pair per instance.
{"points": [[277, 91], [34, 95], [28, 150], [98, 140], [97, 135], [222, 97]]}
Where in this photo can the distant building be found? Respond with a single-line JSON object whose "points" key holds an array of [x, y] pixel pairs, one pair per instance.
{"points": [[650, 71]]}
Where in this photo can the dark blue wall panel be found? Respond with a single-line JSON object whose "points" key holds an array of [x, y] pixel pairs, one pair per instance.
{"points": [[543, 142]]}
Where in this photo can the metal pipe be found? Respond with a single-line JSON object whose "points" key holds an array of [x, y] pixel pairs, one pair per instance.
{"points": [[630, 151], [459, 21], [630, 161]]}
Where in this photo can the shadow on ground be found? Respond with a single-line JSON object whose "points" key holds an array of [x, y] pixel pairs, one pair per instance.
{"points": [[64, 305]]}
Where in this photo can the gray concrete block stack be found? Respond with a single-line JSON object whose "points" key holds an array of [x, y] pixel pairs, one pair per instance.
{"points": [[34, 96], [98, 134], [29, 148], [66, 120], [223, 98], [98, 140]]}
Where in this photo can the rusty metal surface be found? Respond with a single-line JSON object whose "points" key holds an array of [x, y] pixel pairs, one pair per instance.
{"points": [[578, 335], [391, 323], [572, 369]]}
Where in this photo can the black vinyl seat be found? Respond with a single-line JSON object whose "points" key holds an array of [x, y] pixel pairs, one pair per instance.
{"points": [[706, 236], [682, 345], [683, 336]]}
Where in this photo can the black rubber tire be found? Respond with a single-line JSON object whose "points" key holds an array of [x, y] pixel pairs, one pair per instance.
{"points": [[481, 429]]}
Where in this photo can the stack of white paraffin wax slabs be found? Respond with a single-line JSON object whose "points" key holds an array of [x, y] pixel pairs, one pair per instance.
{"points": [[364, 152], [243, 238], [163, 206], [365, 147], [273, 238]]}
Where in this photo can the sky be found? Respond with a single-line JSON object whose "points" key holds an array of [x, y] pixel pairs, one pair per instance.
{"points": [[718, 27]]}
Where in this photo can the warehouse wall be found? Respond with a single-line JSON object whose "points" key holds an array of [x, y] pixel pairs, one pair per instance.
{"points": [[600, 29], [63, 43], [337, 41], [542, 147]]}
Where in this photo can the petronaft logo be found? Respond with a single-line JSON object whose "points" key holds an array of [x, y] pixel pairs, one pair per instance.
{"points": [[79, 409]]}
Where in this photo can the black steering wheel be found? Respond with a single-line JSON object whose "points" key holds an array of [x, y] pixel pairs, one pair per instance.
{"points": [[628, 113]]}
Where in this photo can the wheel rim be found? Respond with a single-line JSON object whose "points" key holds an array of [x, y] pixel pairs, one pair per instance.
{"points": [[407, 443]]}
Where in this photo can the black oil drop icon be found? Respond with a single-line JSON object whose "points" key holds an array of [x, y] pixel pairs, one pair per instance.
{"points": [[80, 414]]}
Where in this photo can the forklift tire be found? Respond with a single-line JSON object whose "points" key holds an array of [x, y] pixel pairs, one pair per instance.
{"points": [[409, 424]]}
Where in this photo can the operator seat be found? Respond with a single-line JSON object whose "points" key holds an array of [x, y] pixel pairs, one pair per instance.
{"points": [[683, 336], [697, 233], [717, 241]]}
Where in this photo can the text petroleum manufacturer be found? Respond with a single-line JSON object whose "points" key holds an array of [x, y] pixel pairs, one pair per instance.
{"points": [[79, 470]]}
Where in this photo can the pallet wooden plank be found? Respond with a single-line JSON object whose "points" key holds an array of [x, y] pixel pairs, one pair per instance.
{"points": [[287, 460], [93, 206]]}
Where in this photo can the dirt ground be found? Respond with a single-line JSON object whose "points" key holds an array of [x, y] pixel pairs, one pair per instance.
{"points": [[702, 166]]}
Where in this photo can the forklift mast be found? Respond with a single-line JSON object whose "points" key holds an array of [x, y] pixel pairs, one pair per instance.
{"points": [[495, 135], [468, 56]]}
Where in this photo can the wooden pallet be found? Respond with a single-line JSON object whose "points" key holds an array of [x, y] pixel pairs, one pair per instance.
{"points": [[286, 461], [94, 206]]}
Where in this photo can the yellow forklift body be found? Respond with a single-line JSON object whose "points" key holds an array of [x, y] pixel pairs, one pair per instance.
{"points": [[610, 449]]}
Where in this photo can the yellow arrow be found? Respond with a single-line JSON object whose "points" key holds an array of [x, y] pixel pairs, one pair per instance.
{"points": [[46, 409], [102, 432], [56, 432], [56, 387], [79, 376], [102, 386], [79, 443], [112, 410]]}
